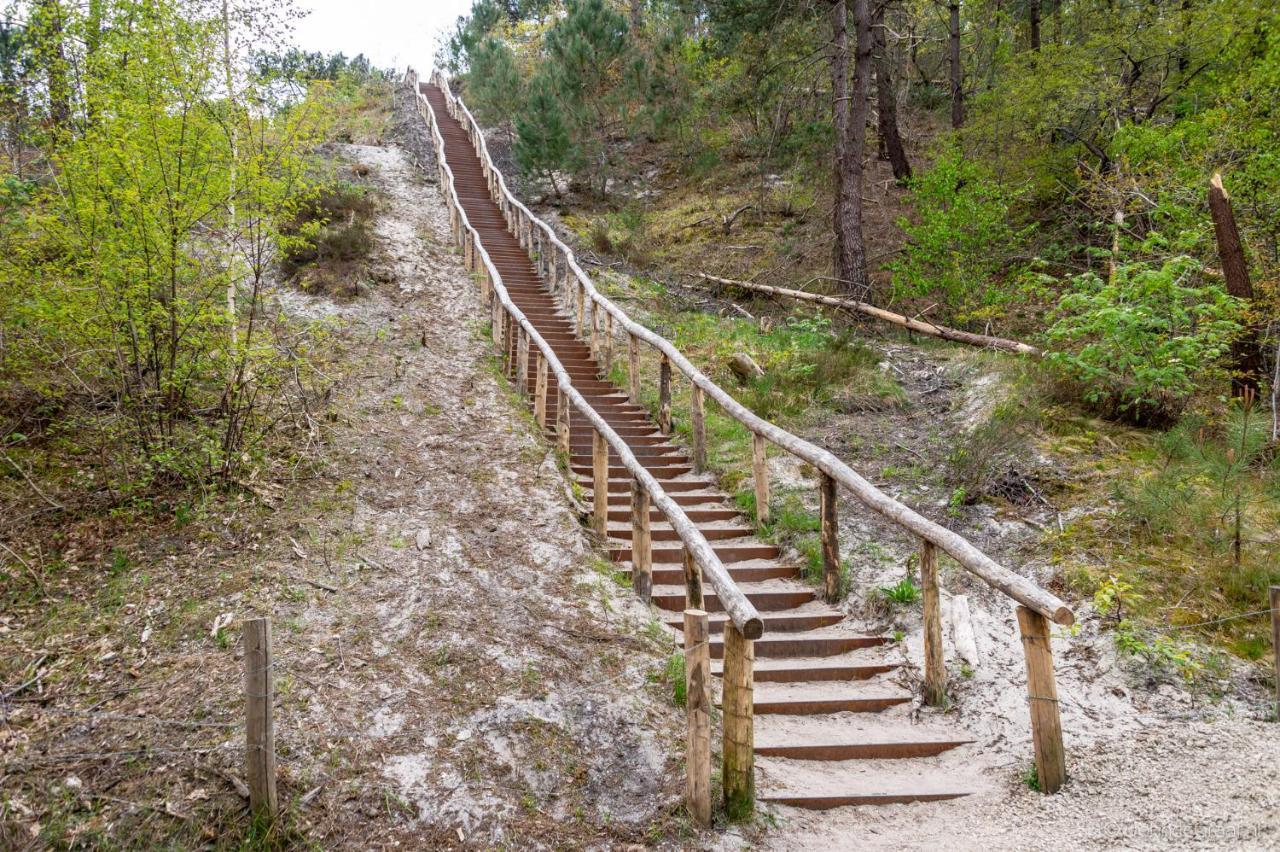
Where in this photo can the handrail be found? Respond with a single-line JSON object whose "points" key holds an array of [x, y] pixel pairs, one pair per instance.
{"points": [[740, 610], [960, 549]]}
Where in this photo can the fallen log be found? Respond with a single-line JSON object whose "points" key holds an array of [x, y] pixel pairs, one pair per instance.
{"points": [[983, 341], [745, 367]]}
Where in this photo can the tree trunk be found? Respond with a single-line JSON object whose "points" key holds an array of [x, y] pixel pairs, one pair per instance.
{"points": [[1033, 16], [842, 199], [1247, 350], [957, 79], [887, 103], [859, 285]]}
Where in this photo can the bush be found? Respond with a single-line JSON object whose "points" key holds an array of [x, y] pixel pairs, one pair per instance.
{"points": [[962, 239], [1140, 345]]}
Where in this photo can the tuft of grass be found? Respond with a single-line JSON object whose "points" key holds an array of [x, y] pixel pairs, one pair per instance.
{"points": [[904, 592], [674, 677]]}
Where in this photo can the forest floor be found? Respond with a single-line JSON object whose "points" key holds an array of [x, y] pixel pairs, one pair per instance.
{"points": [[454, 665]]}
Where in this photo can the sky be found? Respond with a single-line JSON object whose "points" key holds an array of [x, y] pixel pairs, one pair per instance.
{"points": [[392, 33]]}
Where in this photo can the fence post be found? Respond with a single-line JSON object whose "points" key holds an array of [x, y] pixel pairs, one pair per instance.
{"points": [[562, 420], [579, 295], [664, 395], [1275, 640], [540, 390], [600, 482], [738, 749], [522, 360], [608, 343], [641, 543], [1042, 692], [593, 317], [633, 368], [697, 679], [260, 731], [692, 581], [697, 421], [935, 672], [760, 472], [830, 540]]}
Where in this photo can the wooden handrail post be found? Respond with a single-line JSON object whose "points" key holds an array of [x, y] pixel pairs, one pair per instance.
{"points": [[540, 390], [608, 343], [830, 540], [522, 362], [1042, 692], [641, 543], [593, 341], [495, 325], [760, 473], [692, 581], [562, 421], [935, 672], [600, 482], [738, 748], [664, 396], [699, 425], [260, 730], [633, 368], [697, 680], [468, 257], [580, 294]]}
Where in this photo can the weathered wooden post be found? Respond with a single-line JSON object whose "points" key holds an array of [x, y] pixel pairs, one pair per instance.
{"points": [[664, 395], [738, 748], [633, 368], [760, 473], [600, 482], [260, 729], [692, 581], [562, 420], [935, 672], [697, 679], [697, 421], [580, 295], [1042, 692], [540, 390], [593, 341], [495, 325], [830, 540], [641, 543], [1275, 640], [608, 343], [522, 361]]}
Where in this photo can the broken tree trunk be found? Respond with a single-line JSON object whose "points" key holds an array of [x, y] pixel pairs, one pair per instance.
{"points": [[984, 341], [1247, 350], [745, 367]]}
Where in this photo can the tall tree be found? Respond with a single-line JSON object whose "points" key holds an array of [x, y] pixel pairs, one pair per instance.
{"points": [[849, 112], [957, 74], [890, 139]]}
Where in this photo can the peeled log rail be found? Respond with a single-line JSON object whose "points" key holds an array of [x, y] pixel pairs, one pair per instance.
{"points": [[983, 341]]}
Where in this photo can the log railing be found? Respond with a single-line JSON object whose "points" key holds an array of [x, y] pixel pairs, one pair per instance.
{"points": [[702, 565], [1037, 607]]}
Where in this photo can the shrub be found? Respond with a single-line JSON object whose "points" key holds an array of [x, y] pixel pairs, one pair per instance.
{"points": [[961, 239], [1142, 343]]}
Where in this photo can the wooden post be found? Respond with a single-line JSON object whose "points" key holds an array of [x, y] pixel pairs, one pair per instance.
{"points": [[260, 730], [522, 361], [540, 390], [1246, 352], [1046, 724], [641, 543], [600, 482], [496, 325], [738, 749], [608, 343], [699, 431], [633, 368], [692, 581], [593, 341], [579, 296], [760, 472], [830, 540], [935, 672], [664, 396], [1275, 640], [697, 680], [562, 420]]}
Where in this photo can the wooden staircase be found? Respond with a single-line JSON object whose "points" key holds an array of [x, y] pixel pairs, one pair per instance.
{"points": [[834, 723]]}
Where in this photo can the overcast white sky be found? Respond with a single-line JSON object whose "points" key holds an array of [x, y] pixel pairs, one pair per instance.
{"points": [[393, 33]]}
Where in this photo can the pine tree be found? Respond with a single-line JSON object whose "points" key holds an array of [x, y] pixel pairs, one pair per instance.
{"points": [[542, 144]]}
